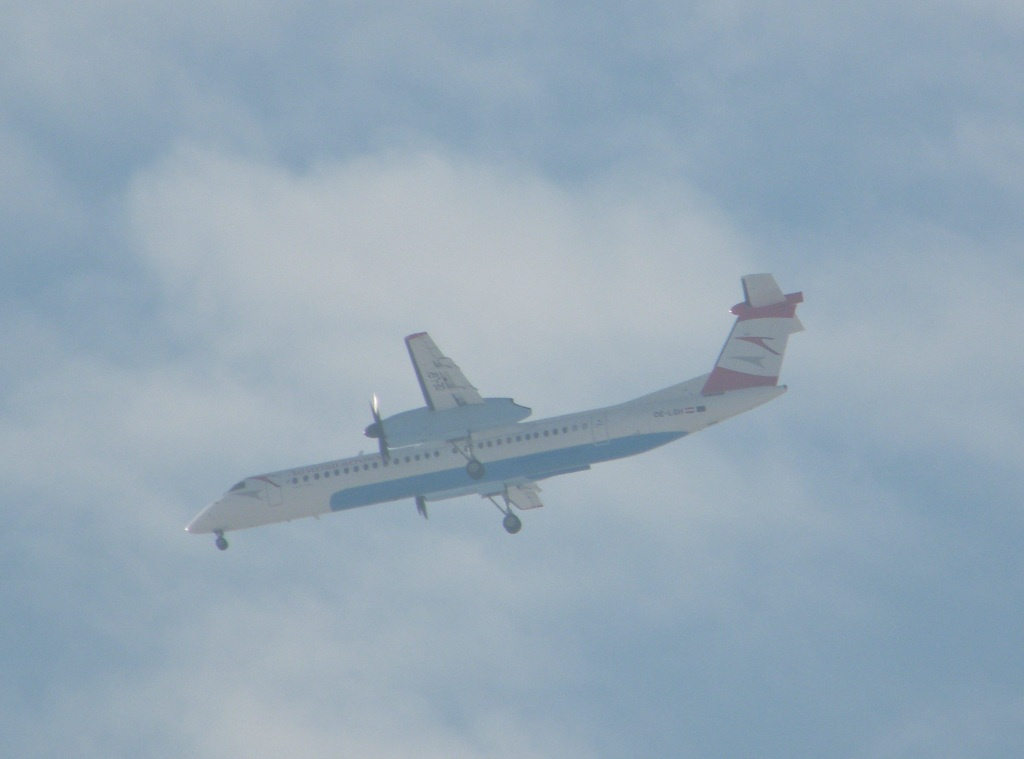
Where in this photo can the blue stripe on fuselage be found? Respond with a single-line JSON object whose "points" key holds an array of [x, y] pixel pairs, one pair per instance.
{"points": [[534, 466]]}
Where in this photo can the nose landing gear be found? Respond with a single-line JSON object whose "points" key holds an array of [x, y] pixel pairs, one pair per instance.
{"points": [[221, 542]]}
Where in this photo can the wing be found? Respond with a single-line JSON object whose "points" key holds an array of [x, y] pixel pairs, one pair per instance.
{"points": [[443, 383]]}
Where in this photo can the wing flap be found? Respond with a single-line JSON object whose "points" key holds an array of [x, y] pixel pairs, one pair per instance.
{"points": [[524, 496]]}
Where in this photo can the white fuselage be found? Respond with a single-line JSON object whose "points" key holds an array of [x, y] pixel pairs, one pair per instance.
{"points": [[511, 455]]}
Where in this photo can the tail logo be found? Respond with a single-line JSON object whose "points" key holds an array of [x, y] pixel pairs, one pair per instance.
{"points": [[760, 342], [757, 361]]}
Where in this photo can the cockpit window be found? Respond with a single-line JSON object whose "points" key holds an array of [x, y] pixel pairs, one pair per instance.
{"points": [[239, 486]]}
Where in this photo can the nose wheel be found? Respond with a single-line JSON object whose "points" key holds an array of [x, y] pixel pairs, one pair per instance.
{"points": [[221, 542]]}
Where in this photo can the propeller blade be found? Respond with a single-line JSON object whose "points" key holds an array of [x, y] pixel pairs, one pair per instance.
{"points": [[382, 441]]}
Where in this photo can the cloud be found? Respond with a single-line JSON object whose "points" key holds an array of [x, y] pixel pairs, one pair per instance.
{"points": [[228, 221], [343, 261], [323, 675], [115, 452], [277, 295], [923, 338]]}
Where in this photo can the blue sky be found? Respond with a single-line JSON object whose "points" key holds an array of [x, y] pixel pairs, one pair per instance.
{"points": [[218, 223]]}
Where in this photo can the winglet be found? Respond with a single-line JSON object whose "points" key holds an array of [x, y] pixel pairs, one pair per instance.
{"points": [[752, 356]]}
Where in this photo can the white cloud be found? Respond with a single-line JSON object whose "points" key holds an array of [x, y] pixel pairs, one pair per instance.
{"points": [[290, 293], [914, 349], [788, 558], [416, 646], [327, 271], [265, 276]]}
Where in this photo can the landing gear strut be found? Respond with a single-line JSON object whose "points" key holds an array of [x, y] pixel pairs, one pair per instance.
{"points": [[221, 542], [511, 522], [474, 467]]}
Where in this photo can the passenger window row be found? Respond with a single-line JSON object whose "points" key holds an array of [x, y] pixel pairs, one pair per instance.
{"points": [[397, 460]]}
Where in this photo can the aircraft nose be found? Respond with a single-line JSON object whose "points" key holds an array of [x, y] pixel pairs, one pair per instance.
{"points": [[202, 523]]}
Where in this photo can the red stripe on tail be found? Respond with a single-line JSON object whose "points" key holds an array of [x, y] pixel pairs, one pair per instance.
{"points": [[722, 380]]}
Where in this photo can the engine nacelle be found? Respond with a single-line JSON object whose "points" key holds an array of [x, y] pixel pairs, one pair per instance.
{"points": [[422, 425]]}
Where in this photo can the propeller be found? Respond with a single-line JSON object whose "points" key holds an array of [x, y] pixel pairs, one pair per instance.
{"points": [[382, 440]]}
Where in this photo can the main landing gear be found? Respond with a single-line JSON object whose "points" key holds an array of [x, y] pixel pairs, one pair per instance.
{"points": [[221, 542], [511, 522], [475, 469]]}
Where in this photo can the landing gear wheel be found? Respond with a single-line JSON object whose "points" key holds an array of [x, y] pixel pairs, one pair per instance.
{"points": [[475, 469], [221, 542], [512, 524]]}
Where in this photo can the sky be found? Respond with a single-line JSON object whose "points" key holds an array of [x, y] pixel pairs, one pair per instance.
{"points": [[218, 221]]}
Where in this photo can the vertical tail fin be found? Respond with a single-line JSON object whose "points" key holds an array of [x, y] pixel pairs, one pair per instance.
{"points": [[752, 356]]}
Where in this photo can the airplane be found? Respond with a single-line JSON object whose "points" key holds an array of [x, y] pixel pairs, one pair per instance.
{"points": [[460, 443]]}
